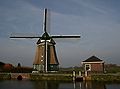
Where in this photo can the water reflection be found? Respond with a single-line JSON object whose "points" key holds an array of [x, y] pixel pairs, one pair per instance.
{"points": [[15, 84], [46, 85], [68, 85], [89, 85]]}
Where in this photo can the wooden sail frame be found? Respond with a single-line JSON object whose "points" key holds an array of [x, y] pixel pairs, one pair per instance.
{"points": [[47, 40]]}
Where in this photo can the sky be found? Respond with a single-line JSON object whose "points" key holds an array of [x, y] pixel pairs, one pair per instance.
{"points": [[97, 21]]}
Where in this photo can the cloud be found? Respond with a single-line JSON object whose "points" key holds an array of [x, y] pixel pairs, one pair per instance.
{"points": [[97, 21], [18, 16]]}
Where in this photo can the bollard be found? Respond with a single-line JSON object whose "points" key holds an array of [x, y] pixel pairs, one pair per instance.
{"points": [[74, 75]]}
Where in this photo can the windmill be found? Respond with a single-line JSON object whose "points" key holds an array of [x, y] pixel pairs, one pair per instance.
{"points": [[45, 56]]}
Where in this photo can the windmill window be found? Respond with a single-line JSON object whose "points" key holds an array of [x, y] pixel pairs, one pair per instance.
{"points": [[51, 66]]}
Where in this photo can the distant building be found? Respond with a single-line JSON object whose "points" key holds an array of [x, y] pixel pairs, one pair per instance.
{"points": [[8, 66], [93, 65]]}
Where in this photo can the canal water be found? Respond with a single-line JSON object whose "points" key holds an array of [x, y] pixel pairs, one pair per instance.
{"points": [[25, 84]]}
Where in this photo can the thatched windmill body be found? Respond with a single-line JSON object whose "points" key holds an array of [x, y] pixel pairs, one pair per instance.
{"points": [[45, 56]]}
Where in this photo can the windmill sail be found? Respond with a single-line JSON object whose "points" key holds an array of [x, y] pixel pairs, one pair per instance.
{"points": [[45, 56], [45, 20]]}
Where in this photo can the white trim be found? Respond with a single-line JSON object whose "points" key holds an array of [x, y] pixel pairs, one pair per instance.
{"points": [[92, 62], [46, 58], [46, 40]]}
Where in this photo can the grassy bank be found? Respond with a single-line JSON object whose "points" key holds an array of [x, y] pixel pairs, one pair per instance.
{"points": [[5, 76], [106, 77], [64, 77], [59, 77], [37, 76]]}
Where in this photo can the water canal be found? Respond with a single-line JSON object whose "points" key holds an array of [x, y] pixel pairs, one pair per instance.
{"points": [[26, 84]]}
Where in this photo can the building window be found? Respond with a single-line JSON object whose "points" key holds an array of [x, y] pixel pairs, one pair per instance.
{"points": [[87, 67]]}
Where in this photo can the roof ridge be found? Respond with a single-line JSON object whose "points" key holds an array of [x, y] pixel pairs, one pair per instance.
{"points": [[93, 59]]}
